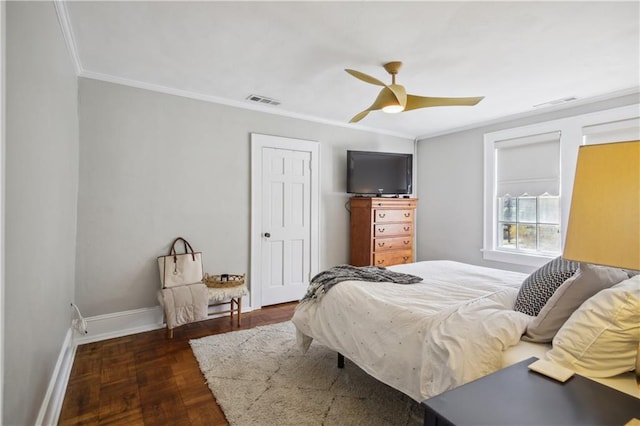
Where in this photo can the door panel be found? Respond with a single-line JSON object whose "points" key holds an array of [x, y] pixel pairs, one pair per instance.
{"points": [[286, 180], [284, 218]]}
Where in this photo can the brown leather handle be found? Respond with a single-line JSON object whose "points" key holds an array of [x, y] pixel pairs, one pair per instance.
{"points": [[187, 248]]}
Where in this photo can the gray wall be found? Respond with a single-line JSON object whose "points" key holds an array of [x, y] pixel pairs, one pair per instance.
{"points": [[155, 166], [450, 188], [41, 193]]}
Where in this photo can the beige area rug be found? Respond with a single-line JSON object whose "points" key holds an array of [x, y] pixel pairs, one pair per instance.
{"points": [[259, 377]]}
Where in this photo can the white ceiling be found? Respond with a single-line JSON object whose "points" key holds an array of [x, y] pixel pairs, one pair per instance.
{"points": [[516, 54]]}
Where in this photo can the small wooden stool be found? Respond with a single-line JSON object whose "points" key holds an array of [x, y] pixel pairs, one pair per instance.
{"points": [[219, 296]]}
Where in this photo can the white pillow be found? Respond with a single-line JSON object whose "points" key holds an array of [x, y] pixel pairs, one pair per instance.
{"points": [[600, 339], [586, 282]]}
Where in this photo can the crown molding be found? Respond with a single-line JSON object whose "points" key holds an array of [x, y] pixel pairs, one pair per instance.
{"points": [[568, 105], [270, 109], [67, 33], [233, 103]]}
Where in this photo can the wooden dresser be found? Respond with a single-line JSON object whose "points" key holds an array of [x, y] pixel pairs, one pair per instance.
{"points": [[382, 230]]}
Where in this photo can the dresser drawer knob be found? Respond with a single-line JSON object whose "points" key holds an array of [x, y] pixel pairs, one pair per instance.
{"points": [[380, 262], [406, 228], [406, 243], [381, 230], [380, 244], [382, 215], [407, 215]]}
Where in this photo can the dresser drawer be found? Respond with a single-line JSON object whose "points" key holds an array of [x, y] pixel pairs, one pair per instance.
{"points": [[396, 243], [391, 229], [388, 215], [394, 203], [392, 257]]}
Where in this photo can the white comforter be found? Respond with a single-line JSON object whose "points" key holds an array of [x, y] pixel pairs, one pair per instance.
{"points": [[421, 339]]}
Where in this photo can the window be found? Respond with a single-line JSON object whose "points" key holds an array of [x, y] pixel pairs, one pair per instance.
{"points": [[528, 179], [529, 223], [528, 194]]}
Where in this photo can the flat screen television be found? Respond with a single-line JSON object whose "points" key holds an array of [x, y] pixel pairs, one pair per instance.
{"points": [[379, 173]]}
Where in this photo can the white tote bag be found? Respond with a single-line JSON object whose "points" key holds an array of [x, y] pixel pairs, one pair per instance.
{"points": [[180, 269]]}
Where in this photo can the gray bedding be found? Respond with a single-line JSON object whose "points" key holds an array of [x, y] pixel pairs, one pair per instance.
{"points": [[322, 282]]}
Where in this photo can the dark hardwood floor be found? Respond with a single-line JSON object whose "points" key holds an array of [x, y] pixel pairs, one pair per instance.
{"points": [[149, 379]]}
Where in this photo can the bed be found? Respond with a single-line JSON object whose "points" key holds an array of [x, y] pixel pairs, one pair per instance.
{"points": [[457, 325]]}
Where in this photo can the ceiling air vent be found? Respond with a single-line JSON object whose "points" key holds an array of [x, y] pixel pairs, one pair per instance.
{"points": [[262, 100]]}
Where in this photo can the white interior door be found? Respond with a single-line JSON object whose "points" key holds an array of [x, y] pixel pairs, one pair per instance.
{"points": [[284, 218]]}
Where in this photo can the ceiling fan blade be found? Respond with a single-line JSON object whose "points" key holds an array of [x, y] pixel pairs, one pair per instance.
{"points": [[359, 116], [415, 102], [364, 77]]}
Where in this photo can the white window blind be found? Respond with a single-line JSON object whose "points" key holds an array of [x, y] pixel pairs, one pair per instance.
{"points": [[615, 131], [528, 165], [513, 168]]}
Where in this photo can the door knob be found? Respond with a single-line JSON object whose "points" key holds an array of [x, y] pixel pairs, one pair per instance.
{"points": [[267, 235]]}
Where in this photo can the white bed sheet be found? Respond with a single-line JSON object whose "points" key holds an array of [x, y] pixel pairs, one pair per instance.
{"points": [[403, 334]]}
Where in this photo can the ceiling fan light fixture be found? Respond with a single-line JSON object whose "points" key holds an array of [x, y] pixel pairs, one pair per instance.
{"points": [[393, 108]]}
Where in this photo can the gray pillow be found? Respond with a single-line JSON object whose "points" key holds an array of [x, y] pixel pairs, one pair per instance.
{"points": [[538, 287], [586, 282]]}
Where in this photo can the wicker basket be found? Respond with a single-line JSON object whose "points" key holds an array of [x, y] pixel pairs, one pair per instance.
{"points": [[216, 281]]}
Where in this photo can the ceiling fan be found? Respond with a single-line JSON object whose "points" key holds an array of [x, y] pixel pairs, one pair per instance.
{"points": [[394, 98]]}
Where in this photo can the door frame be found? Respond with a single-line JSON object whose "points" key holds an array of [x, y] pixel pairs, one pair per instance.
{"points": [[258, 142]]}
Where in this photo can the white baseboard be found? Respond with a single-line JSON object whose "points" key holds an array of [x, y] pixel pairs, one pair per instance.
{"points": [[118, 324], [52, 402]]}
